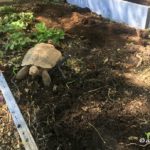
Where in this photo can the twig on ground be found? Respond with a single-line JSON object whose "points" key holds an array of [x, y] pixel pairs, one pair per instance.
{"points": [[140, 60], [109, 94], [94, 90], [97, 132], [135, 144], [29, 117]]}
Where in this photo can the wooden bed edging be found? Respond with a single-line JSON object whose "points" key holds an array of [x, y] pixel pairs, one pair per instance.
{"points": [[18, 119], [132, 14]]}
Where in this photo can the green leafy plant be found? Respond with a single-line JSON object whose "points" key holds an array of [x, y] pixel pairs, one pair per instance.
{"points": [[17, 19], [13, 27], [41, 27], [14, 70], [43, 34], [17, 41], [9, 18], [26, 16], [1, 54], [7, 9]]}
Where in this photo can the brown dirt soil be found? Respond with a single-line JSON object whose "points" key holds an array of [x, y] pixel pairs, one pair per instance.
{"points": [[103, 104]]}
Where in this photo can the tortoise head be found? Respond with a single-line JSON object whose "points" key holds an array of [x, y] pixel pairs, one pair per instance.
{"points": [[34, 71]]}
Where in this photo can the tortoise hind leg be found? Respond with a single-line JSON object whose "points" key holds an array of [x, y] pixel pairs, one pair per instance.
{"points": [[23, 72], [46, 78]]}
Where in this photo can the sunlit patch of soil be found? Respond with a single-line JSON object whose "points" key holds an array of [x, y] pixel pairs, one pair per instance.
{"points": [[141, 79], [9, 137], [136, 107]]}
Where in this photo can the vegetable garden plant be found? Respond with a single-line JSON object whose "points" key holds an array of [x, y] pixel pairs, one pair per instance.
{"points": [[20, 30]]}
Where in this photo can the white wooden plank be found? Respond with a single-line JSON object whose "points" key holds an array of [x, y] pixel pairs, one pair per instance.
{"points": [[148, 19], [18, 119], [135, 15]]}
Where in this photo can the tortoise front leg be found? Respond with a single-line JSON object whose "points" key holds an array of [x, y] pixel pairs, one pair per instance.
{"points": [[63, 75], [46, 78], [60, 63], [23, 72]]}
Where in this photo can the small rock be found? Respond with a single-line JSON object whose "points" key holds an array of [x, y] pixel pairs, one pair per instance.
{"points": [[18, 146], [9, 133], [26, 90], [54, 88]]}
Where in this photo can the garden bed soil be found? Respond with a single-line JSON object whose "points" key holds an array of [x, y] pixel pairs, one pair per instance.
{"points": [[103, 104]]}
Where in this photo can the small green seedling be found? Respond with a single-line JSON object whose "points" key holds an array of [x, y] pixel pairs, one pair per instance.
{"points": [[14, 70], [147, 135]]}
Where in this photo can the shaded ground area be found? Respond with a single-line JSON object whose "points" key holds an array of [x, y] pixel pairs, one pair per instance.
{"points": [[103, 104]]}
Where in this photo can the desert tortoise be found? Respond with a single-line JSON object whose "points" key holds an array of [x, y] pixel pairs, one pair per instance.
{"points": [[38, 60]]}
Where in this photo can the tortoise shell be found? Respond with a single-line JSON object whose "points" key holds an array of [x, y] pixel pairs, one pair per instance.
{"points": [[42, 55]]}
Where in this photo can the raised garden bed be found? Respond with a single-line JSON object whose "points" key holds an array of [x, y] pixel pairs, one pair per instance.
{"points": [[106, 92], [133, 14], [143, 2]]}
